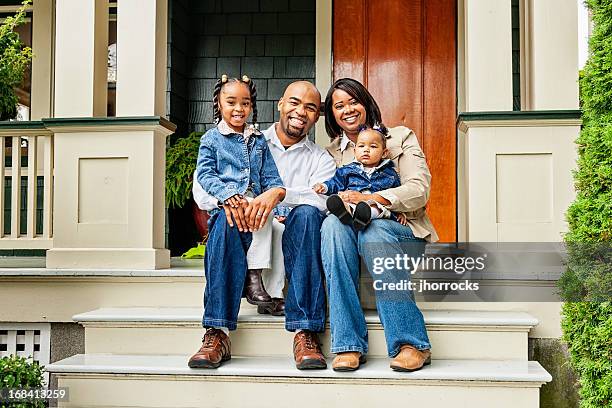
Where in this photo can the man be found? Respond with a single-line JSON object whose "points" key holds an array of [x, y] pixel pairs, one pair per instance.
{"points": [[301, 164]]}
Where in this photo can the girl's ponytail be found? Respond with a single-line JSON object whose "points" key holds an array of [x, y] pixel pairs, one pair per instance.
{"points": [[216, 112]]}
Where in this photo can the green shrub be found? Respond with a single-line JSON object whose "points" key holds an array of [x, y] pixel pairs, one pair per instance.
{"points": [[181, 160], [14, 59], [586, 285], [18, 372]]}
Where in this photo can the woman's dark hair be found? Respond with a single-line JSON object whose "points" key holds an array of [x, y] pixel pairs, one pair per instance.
{"points": [[361, 95], [225, 80]]}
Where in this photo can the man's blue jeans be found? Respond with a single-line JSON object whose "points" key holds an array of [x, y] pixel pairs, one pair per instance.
{"points": [[401, 319], [225, 269], [305, 302]]}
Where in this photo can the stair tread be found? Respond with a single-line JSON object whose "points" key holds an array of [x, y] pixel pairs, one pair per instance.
{"points": [[249, 315], [179, 268], [375, 368]]}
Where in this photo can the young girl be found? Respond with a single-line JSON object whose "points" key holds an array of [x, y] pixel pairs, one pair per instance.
{"points": [[236, 167]]}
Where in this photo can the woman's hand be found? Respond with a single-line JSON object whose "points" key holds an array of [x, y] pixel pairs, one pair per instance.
{"points": [[401, 218], [258, 210], [234, 210]]}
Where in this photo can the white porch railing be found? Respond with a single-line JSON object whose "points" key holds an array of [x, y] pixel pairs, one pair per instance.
{"points": [[26, 159]]}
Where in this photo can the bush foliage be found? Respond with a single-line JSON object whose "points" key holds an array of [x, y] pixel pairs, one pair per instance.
{"points": [[14, 59], [587, 283], [18, 372], [181, 160]]}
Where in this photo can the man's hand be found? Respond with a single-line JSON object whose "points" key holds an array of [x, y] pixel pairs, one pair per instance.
{"points": [[354, 197], [258, 210], [234, 210], [319, 188]]}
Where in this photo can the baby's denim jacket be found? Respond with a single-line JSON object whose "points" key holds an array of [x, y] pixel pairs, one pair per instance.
{"points": [[352, 176]]}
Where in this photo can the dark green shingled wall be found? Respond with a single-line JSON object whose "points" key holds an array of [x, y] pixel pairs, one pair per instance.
{"points": [[272, 41]]}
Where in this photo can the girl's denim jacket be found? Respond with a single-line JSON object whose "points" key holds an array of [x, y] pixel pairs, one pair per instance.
{"points": [[229, 165]]}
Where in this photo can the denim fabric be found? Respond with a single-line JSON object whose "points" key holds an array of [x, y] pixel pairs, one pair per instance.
{"points": [[305, 302], [225, 269], [227, 165], [401, 319], [353, 177]]}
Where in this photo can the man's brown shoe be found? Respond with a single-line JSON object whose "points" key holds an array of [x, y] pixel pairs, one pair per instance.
{"points": [[254, 290], [215, 350], [348, 361], [410, 359], [307, 351]]}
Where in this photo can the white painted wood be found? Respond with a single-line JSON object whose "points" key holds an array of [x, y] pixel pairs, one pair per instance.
{"points": [[29, 344], [15, 186], [11, 344], [453, 334], [32, 185], [48, 188], [166, 392], [279, 367]]}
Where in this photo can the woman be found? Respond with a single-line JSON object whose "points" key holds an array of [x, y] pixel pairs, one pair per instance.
{"points": [[348, 106]]}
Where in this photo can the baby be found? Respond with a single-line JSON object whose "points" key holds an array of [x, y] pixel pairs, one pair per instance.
{"points": [[369, 173]]}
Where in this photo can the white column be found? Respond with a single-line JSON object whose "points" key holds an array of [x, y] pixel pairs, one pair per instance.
{"points": [[487, 55], [141, 57], [81, 38], [324, 37], [553, 56], [42, 47]]}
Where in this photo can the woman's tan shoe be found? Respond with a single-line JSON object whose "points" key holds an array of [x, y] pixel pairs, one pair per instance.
{"points": [[348, 361], [410, 359]]}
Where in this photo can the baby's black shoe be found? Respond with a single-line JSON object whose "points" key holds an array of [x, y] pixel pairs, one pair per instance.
{"points": [[336, 206], [362, 215]]}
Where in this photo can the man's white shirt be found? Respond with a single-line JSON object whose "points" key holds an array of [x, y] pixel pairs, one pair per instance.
{"points": [[300, 166]]}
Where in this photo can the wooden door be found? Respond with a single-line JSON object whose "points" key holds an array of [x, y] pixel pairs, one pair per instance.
{"points": [[404, 51]]}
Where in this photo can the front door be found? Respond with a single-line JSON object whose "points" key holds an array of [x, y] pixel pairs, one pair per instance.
{"points": [[404, 51]]}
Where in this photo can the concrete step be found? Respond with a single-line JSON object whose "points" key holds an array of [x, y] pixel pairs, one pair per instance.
{"points": [[483, 335], [103, 380]]}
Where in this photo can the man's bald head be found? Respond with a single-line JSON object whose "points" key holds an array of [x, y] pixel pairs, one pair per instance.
{"points": [[301, 87], [299, 111]]}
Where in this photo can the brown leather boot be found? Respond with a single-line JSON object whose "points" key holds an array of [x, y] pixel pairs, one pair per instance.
{"points": [[410, 359], [215, 349], [307, 351], [275, 308], [254, 290]]}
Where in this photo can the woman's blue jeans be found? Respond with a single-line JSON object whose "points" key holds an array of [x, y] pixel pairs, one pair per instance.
{"points": [[341, 246]]}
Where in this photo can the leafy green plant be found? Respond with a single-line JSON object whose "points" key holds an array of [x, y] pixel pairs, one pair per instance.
{"points": [[18, 372], [180, 165], [586, 285], [14, 59]]}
